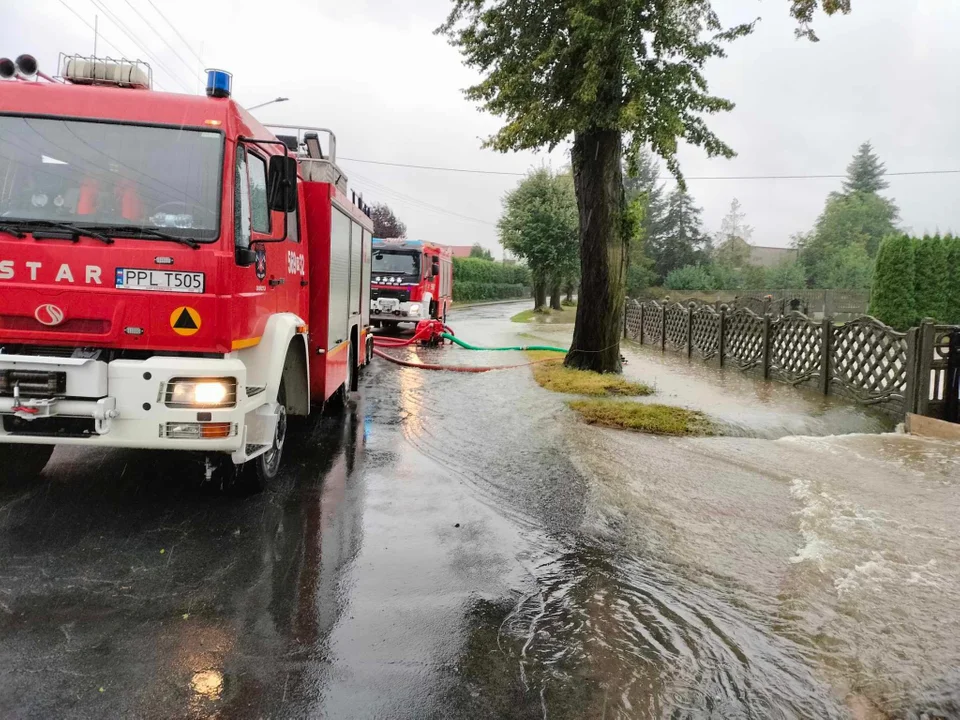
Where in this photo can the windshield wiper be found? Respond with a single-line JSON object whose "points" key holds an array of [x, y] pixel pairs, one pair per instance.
{"points": [[74, 232], [141, 233], [12, 230]]}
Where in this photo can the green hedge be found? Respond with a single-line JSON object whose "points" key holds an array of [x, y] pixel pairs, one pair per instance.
{"points": [[478, 270], [468, 291], [916, 278]]}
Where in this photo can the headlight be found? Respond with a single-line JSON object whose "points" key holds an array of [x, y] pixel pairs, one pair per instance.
{"points": [[201, 393], [414, 309]]}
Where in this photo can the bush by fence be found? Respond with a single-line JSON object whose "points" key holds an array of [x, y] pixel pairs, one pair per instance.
{"points": [[476, 279], [489, 271], [466, 291], [916, 278], [863, 359]]}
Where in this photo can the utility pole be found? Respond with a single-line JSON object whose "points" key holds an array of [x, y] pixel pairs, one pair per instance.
{"points": [[96, 21]]}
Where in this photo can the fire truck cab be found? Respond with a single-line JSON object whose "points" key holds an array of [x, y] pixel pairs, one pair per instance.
{"points": [[172, 274], [411, 280]]}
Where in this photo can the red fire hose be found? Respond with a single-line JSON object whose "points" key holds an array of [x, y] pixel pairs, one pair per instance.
{"points": [[431, 332]]}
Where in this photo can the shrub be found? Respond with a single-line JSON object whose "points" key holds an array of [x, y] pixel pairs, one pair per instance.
{"points": [[468, 291], [489, 271], [690, 277], [952, 245], [932, 278], [892, 300]]}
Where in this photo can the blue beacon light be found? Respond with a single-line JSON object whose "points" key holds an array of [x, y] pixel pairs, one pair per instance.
{"points": [[219, 83]]}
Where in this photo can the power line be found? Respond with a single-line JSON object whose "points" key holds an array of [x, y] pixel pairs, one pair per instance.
{"points": [[665, 177], [140, 45], [416, 202], [177, 32], [115, 48], [189, 67]]}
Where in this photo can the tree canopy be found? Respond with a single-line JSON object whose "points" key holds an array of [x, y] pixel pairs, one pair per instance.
{"points": [[479, 251], [602, 71], [865, 172], [683, 242], [539, 224], [385, 223]]}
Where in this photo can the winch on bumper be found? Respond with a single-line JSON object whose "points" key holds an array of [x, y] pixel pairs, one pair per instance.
{"points": [[159, 403]]}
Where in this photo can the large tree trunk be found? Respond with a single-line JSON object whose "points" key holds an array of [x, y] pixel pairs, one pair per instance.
{"points": [[555, 296], [539, 294], [598, 181]]}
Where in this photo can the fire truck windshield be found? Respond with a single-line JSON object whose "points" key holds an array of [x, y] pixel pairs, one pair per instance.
{"points": [[396, 261], [110, 175]]}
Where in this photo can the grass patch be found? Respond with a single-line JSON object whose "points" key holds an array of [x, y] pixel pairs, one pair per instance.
{"points": [[566, 316], [642, 417], [552, 375]]}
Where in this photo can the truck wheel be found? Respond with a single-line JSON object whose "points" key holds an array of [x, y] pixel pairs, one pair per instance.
{"points": [[368, 353], [353, 377], [22, 463], [266, 467]]}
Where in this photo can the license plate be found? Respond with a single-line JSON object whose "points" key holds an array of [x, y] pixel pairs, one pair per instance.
{"points": [[160, 280]]}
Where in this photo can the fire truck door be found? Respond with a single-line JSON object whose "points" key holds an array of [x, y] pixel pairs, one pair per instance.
{"points": [[254, 300]]}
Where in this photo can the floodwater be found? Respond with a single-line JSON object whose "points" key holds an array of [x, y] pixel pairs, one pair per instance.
{"points": [[460, 546]]}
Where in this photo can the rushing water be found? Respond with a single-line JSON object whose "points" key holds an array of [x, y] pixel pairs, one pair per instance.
{"points": [[785, 570]]}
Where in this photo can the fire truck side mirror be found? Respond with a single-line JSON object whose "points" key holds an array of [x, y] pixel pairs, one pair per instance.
{"points": [[435, 269], [282, 184], [245, 257]]}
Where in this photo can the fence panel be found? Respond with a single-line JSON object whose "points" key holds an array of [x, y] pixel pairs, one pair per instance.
{"points": [[795, 347], [706, 332], [862, 359], [869, 361], [743, 339], [652, 323], [633, 316], [676, 326]]}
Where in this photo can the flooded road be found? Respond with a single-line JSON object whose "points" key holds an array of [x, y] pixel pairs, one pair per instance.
{"points": [[460, 546]]}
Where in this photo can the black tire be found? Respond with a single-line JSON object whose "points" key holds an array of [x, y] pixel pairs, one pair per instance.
{"points": [[353, 376], [266, 467], [24, 463], [368, 351]]}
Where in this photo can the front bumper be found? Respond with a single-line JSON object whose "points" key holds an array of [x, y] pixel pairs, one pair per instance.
{"points": [[130, 410], [397, 312]]}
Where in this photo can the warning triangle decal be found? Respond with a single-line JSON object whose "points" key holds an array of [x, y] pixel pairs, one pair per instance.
{"points": [[185, 321]]}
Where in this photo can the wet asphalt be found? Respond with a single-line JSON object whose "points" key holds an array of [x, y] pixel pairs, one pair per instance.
{"points": [[455, 545]]}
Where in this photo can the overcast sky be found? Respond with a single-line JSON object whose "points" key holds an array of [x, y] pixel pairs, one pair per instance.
{"points": [[373, 71]]}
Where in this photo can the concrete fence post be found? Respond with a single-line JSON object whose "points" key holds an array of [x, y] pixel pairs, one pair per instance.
{"points": [[690, 330], [642, 306], [911, 392], [926, 339], [721, 335], [766, 346], [826, 340], [663, 327]]}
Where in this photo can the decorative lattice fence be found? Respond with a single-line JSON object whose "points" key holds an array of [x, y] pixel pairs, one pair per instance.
{"points": [[861, 359]]}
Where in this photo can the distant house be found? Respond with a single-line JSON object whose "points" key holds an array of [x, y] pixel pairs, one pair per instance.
{"points": [[768, 257], [460, 251]]}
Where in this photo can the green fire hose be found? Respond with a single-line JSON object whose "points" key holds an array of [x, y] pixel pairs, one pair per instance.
{"points": [[468, 346]]}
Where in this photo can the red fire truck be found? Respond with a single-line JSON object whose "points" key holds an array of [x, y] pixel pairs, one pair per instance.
{"points": [[411, 280], [172, 274]]}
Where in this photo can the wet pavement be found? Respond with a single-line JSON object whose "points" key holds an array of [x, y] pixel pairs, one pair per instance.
{"points": [[460, 546]]}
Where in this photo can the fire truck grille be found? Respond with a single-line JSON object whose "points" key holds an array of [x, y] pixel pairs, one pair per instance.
{"points": [[401, 295], [73, 325]]}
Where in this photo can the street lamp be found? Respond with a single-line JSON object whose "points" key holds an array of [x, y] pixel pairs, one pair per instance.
{"points": [[268, 102]]}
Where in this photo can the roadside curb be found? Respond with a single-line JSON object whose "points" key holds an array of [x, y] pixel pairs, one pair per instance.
{"points": [[460, 306]]}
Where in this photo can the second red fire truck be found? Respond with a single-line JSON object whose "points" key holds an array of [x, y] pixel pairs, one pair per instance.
{"points": [[172, 274], [411, 280]]}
